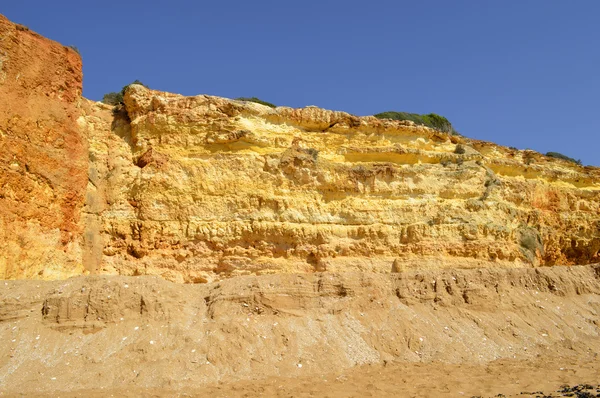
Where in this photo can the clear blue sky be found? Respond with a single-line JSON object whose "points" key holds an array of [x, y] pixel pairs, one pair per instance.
{"points": [[521, 73]]}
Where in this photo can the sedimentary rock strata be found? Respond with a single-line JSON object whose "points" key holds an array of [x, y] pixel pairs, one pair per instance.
{"points": [[207, 187], [201, 188]]}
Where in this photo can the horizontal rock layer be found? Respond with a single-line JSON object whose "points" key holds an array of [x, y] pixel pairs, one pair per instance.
{"points": [[200, 188], [197, 189]]}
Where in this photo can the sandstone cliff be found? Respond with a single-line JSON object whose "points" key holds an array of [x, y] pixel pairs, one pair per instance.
{"points": [[201, 188], [454, 234], [198, 188], [44, 156]]}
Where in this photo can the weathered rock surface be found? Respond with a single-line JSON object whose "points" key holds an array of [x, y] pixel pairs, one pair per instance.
{"points": [[452, 232], [44, 156], [200, 188], [197, 189], [102, 333]]}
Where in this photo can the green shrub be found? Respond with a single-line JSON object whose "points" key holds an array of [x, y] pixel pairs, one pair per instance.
{"points": [[136, 81], [257, 100], [112, 98], [460, 150], [531, 242], [75, 49], [115, 98], [557, 155], [415, 117], [431, 120], [437, 122], [313, 152]]}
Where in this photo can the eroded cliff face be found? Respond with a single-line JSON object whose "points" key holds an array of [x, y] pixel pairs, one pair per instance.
{"points": [[43, 161], [200, 188], [196, 189]]}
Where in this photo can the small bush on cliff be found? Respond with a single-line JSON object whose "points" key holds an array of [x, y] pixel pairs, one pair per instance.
{"points": [[75, 49], [438, 122], [115, 98], [432, 120], [257, 100], [112, 98], [531, 243], [136, 81], [313, 152], [557, 155]]}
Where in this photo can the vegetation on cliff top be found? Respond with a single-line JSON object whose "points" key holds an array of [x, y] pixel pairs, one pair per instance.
{"points": [[115, 98], [112, 98], [557, 155], [257, 100], [74, 48], [431, 120]]}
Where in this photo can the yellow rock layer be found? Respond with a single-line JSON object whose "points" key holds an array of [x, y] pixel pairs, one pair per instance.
{"points": [[201, 188]]}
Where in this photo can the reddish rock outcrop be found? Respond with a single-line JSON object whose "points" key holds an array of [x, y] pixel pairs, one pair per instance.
{"points": [[43, 161]]}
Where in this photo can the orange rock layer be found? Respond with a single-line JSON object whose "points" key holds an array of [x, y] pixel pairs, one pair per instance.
{"points": [[44, 156]]}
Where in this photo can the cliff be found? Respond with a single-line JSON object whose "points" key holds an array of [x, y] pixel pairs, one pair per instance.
{"points": [[200, 188], [44, 156], [197, 189], [422, 259]]}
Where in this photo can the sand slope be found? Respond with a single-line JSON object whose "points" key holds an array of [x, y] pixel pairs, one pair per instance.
{"points": [[146, 334]]}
